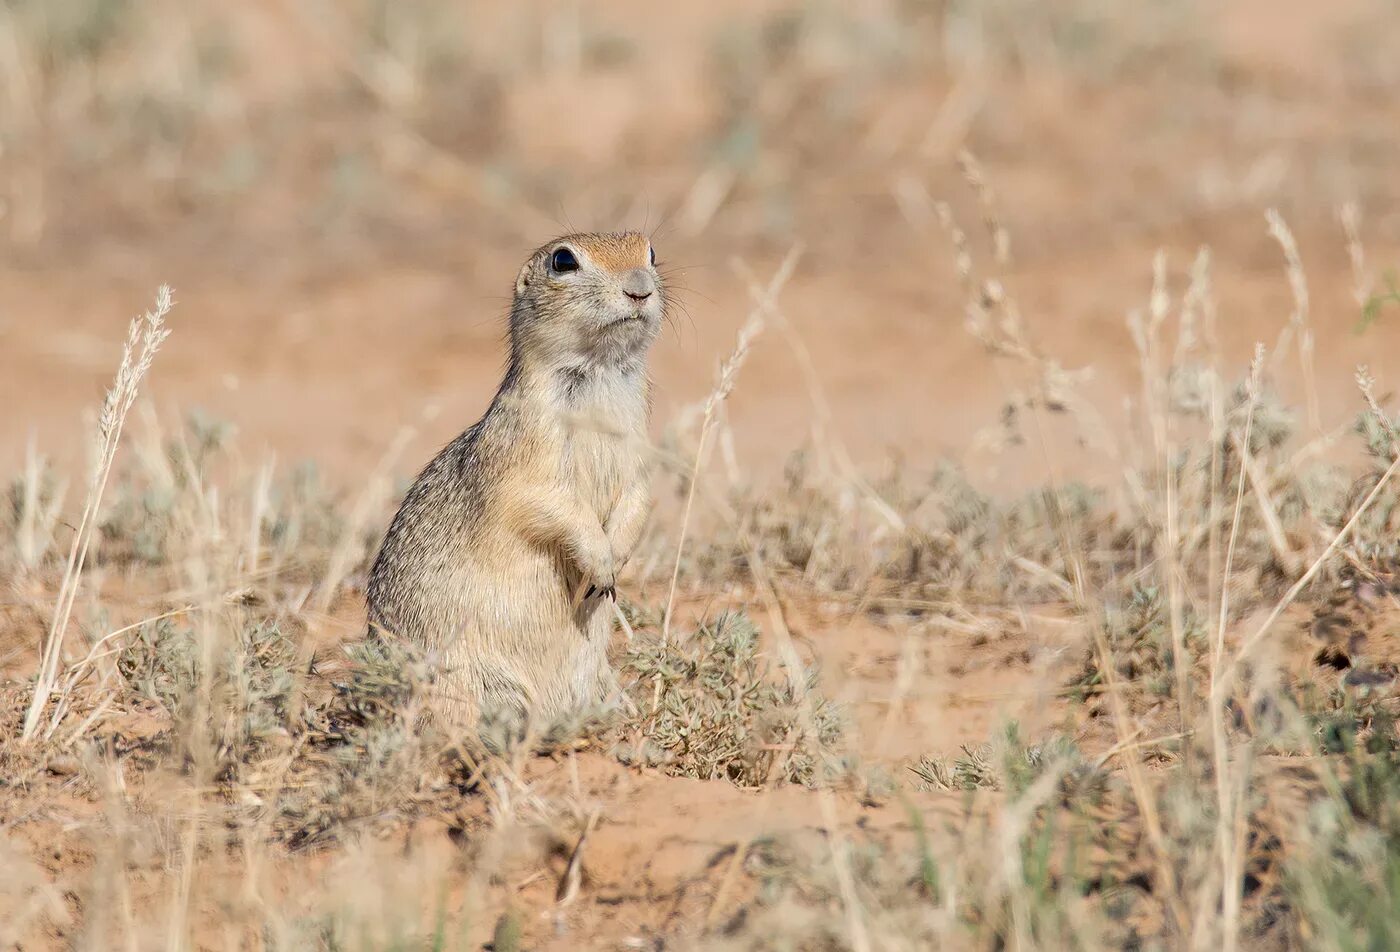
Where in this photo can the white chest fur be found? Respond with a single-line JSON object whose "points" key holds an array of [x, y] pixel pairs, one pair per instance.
{"points": [[603, 418]]}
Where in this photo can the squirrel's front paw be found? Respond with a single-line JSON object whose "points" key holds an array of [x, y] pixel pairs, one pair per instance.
{"points": [[602, 576]]}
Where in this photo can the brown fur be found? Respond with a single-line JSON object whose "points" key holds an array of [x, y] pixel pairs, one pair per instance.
{"points": [[487, 561]]}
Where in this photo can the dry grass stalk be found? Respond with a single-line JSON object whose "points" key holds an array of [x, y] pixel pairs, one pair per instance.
{"points": [[376, 494], [38, 517], [1367, 385], [724, 384], [986, 197], [1363, 285], [1013, 825], [823, 435], [1226, 817], [994, 319], [857, 931], [706, 196], [144, 338], [1231, 785], [1296, 589], [1156, 384], [1298, 322], [572, 878], [1143, 794], [23, 122], [262, 490]]}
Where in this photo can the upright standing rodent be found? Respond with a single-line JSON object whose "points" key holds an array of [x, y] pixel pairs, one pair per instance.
{"points": [[505, 552]]}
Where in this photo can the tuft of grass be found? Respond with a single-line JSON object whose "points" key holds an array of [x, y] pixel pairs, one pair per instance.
{"points": [[1005, 763], [1050, 860], [1141, 645], [711, 707]]}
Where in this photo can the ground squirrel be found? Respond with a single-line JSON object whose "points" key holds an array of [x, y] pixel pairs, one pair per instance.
{"points": [[504, 554]]}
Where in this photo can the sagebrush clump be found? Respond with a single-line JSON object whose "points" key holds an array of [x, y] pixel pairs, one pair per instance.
{"points": [[710, 705]]}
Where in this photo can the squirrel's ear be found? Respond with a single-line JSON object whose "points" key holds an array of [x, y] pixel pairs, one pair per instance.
{"points": [[522, 280]]}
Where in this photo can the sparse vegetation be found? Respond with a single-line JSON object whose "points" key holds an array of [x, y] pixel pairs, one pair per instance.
{"points": [[315, 742], [709, 707]]}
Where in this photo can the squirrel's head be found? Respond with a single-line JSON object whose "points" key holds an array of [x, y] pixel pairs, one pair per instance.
{"points": [[595, 298]]}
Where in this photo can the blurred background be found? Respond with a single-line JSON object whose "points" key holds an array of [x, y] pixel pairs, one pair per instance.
{"points": [[341, 192]]}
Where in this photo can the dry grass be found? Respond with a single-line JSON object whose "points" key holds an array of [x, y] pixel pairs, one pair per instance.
{"points": [[709, 708]]}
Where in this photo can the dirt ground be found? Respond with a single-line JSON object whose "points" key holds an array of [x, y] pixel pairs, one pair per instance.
{"points": [[319, 320]]}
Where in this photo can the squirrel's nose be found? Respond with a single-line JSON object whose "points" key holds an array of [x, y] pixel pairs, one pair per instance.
{"points": [[638, 285]]}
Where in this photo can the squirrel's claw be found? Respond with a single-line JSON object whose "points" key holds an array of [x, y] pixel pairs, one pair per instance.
{"points": [[602, 591]]}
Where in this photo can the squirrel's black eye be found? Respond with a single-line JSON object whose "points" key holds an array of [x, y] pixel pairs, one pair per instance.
{"points": [[563, 260], [653, 256]]}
